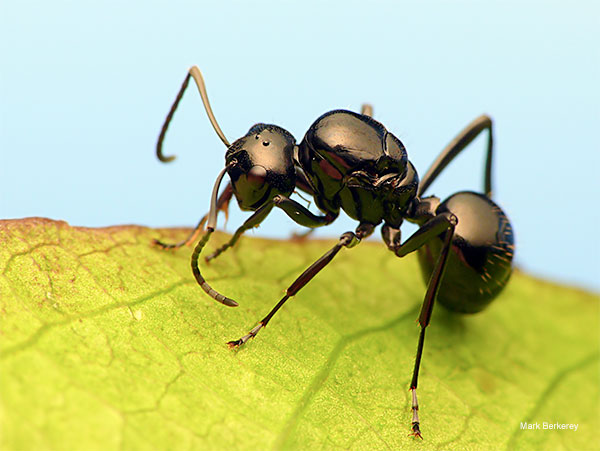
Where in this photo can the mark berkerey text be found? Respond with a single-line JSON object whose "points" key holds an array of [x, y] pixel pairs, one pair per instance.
{"points": [[546, 425]]}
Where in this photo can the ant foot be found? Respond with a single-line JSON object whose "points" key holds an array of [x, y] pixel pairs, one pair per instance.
{"points": [[237, 343], [416, 432]]}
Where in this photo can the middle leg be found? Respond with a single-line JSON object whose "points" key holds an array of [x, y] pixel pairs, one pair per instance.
{"points": [[348, 239]]}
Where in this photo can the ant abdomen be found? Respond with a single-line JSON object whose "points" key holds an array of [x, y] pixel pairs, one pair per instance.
{"points": [[480, 260]]}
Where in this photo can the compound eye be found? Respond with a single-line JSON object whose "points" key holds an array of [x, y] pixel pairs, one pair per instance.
{"points": [[257, 176]]}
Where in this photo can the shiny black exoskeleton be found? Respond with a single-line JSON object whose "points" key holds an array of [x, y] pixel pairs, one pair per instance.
{"points": [[353, 162], [349, 161]]}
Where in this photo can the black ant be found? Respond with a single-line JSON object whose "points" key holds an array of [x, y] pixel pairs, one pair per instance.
{"points": [[349, 161]]}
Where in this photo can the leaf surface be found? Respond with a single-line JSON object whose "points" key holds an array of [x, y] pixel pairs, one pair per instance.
{"points": [[107, 342]]}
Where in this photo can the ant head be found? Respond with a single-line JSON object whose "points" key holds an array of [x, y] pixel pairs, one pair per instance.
{"points": [[261, 165]]}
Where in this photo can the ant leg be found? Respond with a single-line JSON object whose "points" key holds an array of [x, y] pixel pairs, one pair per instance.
{"points": [[302, 215], [348, 239], [462, 140], [293, 209], [303, 184], [366, 109], [195, 73], [186, 242], [442, 223], [222, 205], [253, 221]]}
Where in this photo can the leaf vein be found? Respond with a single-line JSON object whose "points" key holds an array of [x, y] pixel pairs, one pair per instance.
{"points": [[34, 338], [323, 375]]}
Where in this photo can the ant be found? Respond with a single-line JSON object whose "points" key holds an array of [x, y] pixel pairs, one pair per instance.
{"points": [[349, 161]]}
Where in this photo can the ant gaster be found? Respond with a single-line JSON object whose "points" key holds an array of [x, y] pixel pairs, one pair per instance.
{"points": [[350, 161]]}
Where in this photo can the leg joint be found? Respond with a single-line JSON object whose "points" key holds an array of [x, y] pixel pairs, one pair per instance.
{"points": [[349, 240]]}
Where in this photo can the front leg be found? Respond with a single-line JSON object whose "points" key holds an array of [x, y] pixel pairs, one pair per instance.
{"points": [[299, 214], [222, 205], [292, 208]]}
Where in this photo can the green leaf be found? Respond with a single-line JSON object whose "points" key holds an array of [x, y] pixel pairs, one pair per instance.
{"points": [[108, 342]]}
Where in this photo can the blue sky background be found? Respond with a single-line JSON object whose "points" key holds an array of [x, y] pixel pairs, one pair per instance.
{"points": [[85, 87]]}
